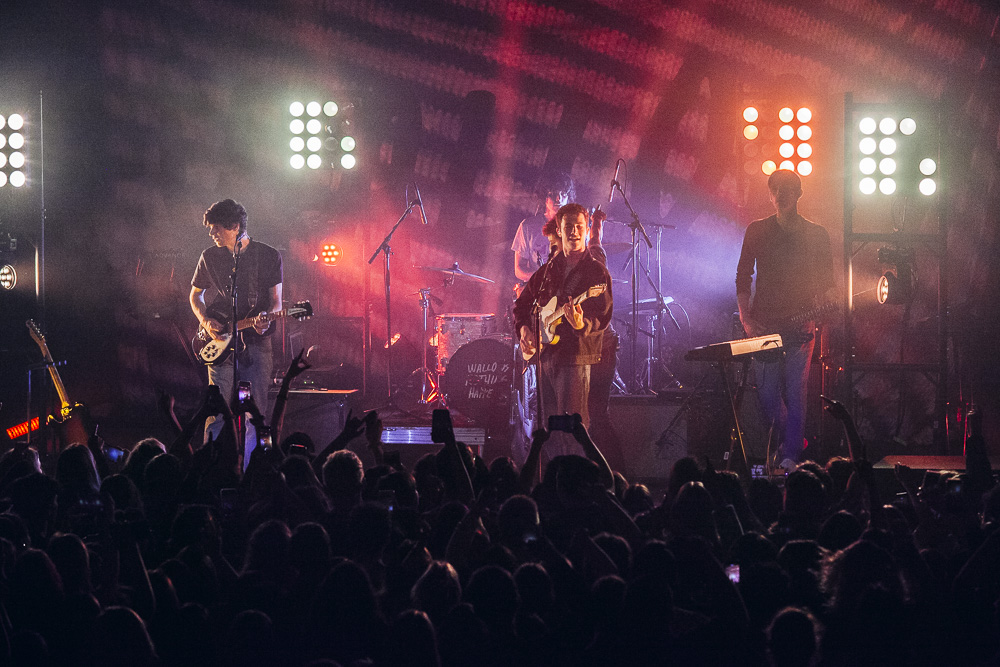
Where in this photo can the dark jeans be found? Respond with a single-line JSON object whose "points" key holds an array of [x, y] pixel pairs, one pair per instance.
{"points": [[602, 376], [565, 391]]}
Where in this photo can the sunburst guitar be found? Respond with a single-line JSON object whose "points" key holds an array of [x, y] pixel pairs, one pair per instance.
{"points": [[213, 351], [73, 423]]}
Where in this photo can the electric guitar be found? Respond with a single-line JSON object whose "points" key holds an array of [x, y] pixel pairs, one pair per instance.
{"points": [[792, 320], [213, 351], [73, 420], [551, 315]]}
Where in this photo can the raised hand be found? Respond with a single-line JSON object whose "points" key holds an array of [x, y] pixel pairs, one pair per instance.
{"points": [[836, 409], [298, 365], [261, 323]]}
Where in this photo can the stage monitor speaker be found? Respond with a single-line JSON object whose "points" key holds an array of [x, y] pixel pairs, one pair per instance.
{"points": [[321, 413], [653, 435]]}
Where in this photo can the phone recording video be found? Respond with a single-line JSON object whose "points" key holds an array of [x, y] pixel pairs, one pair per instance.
{"points": [[562, 423], [114, 453], [244, 390], [441, 428], [733, 572]]}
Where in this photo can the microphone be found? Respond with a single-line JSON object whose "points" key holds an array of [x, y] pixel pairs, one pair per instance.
{"points": [[614, 181], [420, 204]]}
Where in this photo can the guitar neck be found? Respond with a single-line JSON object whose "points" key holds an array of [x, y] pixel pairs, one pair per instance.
{"points": [[247, 322]]}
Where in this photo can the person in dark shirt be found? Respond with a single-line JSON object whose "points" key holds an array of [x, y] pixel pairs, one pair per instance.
{"points": [[794, 266], [573, 271], [258, 291]]}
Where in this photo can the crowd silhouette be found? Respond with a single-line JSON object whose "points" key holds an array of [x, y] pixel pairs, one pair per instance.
{"points": [[176, 556]]}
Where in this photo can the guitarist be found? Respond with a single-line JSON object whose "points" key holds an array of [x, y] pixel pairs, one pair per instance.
{"points": [[794, 266], [565, 366], [258, 291]]}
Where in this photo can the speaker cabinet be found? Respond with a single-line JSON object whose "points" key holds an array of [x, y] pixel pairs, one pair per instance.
{"points": [[653, 433]]}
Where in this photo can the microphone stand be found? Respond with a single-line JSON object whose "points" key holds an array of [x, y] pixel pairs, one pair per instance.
{"points": [[386, 250], [637, 228], [234, 332]]}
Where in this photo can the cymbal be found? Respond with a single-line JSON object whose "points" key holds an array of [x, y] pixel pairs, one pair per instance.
{"points": [[650, 305], [456, 271]]}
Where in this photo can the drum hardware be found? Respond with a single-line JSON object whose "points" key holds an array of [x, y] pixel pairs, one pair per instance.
{"points": [[454, 271], [454, 330], [428, 381]]}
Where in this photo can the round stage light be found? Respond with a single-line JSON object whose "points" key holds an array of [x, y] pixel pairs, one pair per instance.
{"points": [[804, 133], [750, 115], [887, 186], [296, 109], [804, 150], [867, 166], [331, 109], [348, 144], [928, 166], [297, 126], [867, 186], [314, 126], [297, 144], [907, 126], [3, 121], [887, 146], [787, 164], [15, 121], [297, 161], [887, 166], [867, 125], [313, 109], [786, 115], [768, 167], [8, 277], [887, 125], [3, 179], [314, 144], [17, 179], [786, 150], [16, 141], [786, 132], [750, 132], [805, 168], [804, 115], [314, 161], [16, 160], [3, 140], [867, 146], [3, 160], [348, 161], [927, 186], [331, 254], [883, 287]]}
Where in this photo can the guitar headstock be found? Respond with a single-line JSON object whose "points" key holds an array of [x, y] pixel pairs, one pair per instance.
{"points": [[301, 310], [36, 333], [597, 290]]}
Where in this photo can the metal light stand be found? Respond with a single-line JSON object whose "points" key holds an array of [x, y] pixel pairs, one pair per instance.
{"points": [[386, 250], [234, 397]]}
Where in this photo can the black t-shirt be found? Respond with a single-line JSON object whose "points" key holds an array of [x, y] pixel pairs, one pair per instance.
{"points": [[260, 270]]}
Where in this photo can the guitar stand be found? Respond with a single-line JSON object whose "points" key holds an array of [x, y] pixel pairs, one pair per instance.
{"points": [[734, 405]]}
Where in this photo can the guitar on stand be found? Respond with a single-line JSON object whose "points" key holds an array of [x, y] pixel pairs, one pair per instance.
{"points": [[72, 424], [211, 351]]}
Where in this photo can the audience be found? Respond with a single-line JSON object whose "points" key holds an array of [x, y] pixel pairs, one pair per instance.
{"points": [[172, 557]]}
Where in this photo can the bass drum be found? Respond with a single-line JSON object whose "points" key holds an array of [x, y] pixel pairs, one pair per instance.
{"points": [[479, 379]]}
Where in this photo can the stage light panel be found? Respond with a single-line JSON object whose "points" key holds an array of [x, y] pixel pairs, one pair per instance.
{"points": [[8, 277], [330, 254], [777, 136]]}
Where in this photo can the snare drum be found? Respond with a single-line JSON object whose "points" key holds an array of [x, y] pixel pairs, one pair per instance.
{"points": [[479, 379], [457, 329]]}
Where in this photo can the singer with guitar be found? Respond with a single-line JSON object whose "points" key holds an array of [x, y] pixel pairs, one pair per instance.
{"points": [[794, 266], [258, 291], [581, 287]]}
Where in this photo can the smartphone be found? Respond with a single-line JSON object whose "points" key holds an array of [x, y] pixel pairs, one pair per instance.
{"points": [[733, 572], [388, 498], [227, 500], [113, 453], [441, 428], [264, 436], [301, 450], [244, 390], [561, 423]]}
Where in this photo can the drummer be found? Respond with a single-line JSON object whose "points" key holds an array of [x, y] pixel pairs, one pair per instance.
{"points": [[530, 246]]}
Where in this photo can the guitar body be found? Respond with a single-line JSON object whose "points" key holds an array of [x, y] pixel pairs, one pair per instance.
{"points": [[212, 351], [551, 315]]}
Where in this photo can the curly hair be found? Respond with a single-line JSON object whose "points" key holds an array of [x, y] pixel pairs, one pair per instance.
{"points": [[228, 213]]}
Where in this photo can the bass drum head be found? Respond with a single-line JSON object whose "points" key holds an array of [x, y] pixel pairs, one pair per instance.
{"points": [[479, 379]]}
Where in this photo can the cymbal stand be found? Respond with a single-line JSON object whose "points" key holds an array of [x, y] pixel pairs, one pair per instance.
{"points": [[428, 382], [386, 250], [636, 227]]}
